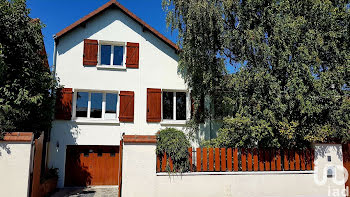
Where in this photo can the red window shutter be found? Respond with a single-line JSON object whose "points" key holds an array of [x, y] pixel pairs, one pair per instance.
{"points": [[63, 109], [90, 52], [154, 105], [126, 112], [132, 55]]}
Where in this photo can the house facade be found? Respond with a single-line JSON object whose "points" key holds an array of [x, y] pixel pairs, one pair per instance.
{"points": [[119, 77], [120, 86]]}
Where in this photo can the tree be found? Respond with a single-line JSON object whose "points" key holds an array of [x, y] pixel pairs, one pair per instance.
{"points": [[292, 83], [26, 104]]}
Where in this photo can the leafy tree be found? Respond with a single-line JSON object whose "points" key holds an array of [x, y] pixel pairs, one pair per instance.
{"points": [[292, 83], [26, 104]]}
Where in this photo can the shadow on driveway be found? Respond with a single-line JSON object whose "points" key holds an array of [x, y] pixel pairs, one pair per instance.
{"points": [[98, 191]]}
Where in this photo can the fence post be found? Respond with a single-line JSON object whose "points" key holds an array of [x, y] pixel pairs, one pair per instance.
{"points": [[261, 160], [286, 162], [291, 159], [199, 167], [223, 159], [250, 160], [164, 161], [211, 159], [297, 160], [255, 158], [217, 159], [190, 158], [229, 159], [235, 159], [278, 160], [205, 159], [273, 159], [244, 159]]}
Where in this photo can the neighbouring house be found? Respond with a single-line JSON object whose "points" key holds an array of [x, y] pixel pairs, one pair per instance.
{"points": [[120, 87]]}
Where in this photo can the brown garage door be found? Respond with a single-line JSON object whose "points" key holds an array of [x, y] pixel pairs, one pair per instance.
{"points": [[91, 165]]}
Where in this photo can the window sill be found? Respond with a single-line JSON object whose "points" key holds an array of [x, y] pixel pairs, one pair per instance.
{"points": [[173, 122], [95, 121], [111, 67]]}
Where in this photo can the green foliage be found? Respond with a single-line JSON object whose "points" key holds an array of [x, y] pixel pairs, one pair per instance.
{"points": [[26, 104], [292, 82], [174, 144], [199, 27]]}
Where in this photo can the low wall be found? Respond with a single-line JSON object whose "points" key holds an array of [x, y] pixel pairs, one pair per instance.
{"points": [[15, 159], [140, 178]]}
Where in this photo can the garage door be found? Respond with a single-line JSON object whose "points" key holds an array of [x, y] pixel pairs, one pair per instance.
{"points": [[91, 165]]}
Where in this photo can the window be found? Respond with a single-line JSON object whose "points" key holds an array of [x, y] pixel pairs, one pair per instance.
{"points": [[112, 54], [174, 105], [82, 104], [95, 105], [111, 106]]}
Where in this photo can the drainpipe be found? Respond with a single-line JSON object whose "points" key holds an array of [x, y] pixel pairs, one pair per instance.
{"points": [[54, 56], [53, 92]]}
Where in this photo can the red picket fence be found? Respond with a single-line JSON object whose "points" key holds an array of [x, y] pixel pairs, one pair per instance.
{"points": [[234, 159]]}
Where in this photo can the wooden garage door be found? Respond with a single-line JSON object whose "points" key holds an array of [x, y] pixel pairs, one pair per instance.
{"points": [[91, 165]]}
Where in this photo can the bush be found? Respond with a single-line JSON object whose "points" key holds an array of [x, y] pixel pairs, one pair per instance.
{"points": [[242, 131], [174, 144]]}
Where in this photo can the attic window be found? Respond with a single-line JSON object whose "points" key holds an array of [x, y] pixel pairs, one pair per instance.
{"points": [[112, 54]]}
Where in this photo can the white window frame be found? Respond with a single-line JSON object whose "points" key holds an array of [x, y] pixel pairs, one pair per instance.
{"points": [[88, 119], [188, 108], [112, 43]]}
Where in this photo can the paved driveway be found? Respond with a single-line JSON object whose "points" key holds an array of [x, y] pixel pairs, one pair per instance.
{"points": [[87, 192]]}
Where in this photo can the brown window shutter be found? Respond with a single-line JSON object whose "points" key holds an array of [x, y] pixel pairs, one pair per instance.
{"points": [[90, 52], [63, 109], [154, 105], [132, 55], [126, 112]]}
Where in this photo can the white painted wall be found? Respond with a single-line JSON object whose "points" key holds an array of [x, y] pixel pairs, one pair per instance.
{"points": [[140, 178], [14, 168], [157, 69]]}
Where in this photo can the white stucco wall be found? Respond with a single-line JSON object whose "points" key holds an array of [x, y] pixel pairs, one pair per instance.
{"points": [[14, 168], [140, 178], [157, 69]]}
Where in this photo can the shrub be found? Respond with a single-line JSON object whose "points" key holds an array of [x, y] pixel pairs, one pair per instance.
{"points": [[174, 144]]}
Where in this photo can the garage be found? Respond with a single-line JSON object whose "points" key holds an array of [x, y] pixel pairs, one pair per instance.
{"points": [[91, 165]]}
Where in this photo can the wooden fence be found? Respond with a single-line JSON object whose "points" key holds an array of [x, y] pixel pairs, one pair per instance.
{"points": [[228, 159]]}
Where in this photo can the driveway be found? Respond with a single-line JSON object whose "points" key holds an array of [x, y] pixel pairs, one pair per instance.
{"points": [[87, 192]]}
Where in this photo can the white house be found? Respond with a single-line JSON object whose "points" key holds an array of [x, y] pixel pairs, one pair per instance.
{"points": [[119, 77], [120, 87]]}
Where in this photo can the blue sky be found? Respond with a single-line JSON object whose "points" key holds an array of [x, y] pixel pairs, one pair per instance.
{"points": [[58, 14]]}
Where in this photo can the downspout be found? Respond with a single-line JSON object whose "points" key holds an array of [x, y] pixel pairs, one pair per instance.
{"points": [[53, 92], [54, 56], [120, 166]]}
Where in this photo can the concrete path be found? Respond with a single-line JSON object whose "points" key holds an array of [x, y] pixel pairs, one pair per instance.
{"points": [[98, 191]]}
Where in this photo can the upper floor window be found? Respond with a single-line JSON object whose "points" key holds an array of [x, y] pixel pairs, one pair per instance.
{"points": [[112, 54], [174, 105], [95, 105]]}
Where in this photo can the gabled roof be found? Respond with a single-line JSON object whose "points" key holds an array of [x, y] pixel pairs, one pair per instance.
{"points": [[125, 11]]}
